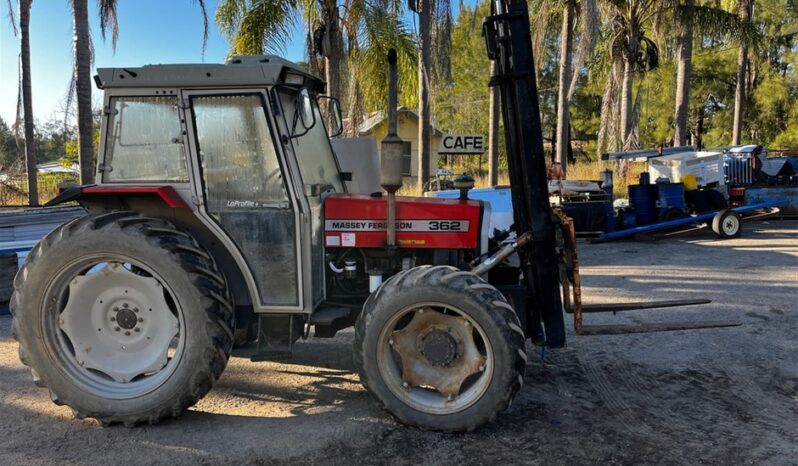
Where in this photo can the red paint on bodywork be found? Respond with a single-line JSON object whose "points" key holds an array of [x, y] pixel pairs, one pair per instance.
{"points": [[354, 220], [166, 193]]}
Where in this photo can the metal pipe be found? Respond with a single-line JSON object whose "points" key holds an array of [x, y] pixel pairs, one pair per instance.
{"points": [[391, 218], [391, 151], [503, 253]]}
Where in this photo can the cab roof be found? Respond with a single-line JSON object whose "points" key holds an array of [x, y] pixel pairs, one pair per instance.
{"points": [[238, 71]]}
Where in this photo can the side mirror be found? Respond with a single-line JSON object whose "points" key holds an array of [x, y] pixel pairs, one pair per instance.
{"points": [[335, 118], [305, 109], [332, 115]]}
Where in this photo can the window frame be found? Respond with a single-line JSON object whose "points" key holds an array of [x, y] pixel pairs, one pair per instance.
{"points": [[100, 169]]}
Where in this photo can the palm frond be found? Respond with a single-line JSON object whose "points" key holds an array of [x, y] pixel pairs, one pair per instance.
{"points": [[381, 32], [109, 20], [257, 26], [719, 23], [205, 24], [12, 19]]}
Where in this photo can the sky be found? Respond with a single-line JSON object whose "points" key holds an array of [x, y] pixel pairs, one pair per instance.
{"points": [[150, 31]]}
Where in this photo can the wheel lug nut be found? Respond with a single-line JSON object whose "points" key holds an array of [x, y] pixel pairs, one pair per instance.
{"points": [[125, 305], [116, 309], [116, 329], [113, 319], [127, 333], [135, 309], [137, 329], [141, 320]]}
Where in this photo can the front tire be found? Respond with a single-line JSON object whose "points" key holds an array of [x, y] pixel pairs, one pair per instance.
{"points": [[123, 318], [440, 349]]}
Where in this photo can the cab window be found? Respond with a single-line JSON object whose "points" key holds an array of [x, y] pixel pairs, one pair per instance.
{"points": [[145, 141], [313, 151]]}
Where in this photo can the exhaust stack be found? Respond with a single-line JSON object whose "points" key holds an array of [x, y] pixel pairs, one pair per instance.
{"points": [[391, 150]]}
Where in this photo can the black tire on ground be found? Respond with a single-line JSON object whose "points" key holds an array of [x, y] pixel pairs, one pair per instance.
{"points": [[185, 269], [727, 224], [478, 301]]}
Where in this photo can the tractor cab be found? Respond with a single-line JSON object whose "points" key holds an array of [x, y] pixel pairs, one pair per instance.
{"points": [[245, 145]]}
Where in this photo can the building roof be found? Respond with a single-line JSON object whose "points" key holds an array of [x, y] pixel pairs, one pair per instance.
{"points": [[254, 70], [375, 120]]}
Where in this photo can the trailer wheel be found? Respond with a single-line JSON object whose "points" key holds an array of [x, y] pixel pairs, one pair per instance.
{"points": [[440, 349], [727, 224], [124, 318]]}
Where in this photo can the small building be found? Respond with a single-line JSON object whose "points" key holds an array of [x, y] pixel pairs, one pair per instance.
{"points": [[376, 127]]}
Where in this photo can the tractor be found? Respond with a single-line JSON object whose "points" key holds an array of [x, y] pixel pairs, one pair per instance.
{"points": [[220, 218]]}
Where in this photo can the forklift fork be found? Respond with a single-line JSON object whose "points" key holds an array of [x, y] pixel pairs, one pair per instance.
{"points": [[572, 298]]}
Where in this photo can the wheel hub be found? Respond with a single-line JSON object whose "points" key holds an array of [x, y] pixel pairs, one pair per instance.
{"points": [[127, 319], [437, 351], [119, 323], [439, 347]]}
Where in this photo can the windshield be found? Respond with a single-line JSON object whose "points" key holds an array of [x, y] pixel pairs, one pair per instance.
{"points": [[313, 151]]}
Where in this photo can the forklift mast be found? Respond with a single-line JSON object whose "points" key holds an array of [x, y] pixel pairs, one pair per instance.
{"points": [[509, 43]]}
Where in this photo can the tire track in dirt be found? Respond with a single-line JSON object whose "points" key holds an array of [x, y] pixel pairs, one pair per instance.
{"points": [[607, 391]]}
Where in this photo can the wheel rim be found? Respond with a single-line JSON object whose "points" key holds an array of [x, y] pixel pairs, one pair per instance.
{"points": [[730, 225], [114, 325], [435, 358]]}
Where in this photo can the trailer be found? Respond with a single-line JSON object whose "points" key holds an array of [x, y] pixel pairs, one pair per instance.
{"points": [[726, 223]]}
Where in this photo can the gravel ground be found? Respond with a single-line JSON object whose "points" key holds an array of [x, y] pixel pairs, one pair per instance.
{"points": [[718, 396]]}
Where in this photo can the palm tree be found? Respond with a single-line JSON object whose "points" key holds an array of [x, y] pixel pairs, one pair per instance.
{"points": [[27, 101], [257, 26], [712, 21], [571, 61], [745, 8], [425, 15], [630, 52], [563, 117], [82, 76], [83, 59], [684, 25]]}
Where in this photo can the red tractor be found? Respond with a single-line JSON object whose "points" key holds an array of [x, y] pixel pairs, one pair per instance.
{"points": [[220, 217]]}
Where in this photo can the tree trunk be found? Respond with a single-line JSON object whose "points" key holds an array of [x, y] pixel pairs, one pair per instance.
{"points": [[424, 65], [82, 47], [699, 129], [334, 58], [626, 104], [27, 102], [563, 116], [745, 7], [493, 130], [684, 71]]}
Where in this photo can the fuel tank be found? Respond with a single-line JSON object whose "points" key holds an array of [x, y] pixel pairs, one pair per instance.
{"points": [[358, 220]]}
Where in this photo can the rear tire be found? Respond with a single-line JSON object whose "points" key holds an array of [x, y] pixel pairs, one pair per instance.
{"points": [[727, 224], [439, 299], [67, 302]]}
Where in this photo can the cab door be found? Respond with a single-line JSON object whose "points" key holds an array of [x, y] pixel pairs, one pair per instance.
{"points": [[319, 175], [245, 193]]}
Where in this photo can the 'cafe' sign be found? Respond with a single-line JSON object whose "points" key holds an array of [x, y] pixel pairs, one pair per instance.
{"points": [[462, 144]]}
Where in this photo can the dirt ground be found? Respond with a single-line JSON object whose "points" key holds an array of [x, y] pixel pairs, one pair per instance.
{"points": [[718, 396]]}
